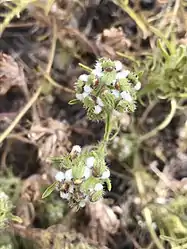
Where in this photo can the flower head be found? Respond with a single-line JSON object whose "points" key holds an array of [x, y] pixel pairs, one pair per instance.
{"points": [[108, 87]]}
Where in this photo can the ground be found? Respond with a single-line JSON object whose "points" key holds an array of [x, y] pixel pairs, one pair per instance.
{"points": [[41, 52]]}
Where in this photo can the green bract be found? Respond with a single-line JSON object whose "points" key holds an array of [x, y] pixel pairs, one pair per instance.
{"points": [[108, 87]]}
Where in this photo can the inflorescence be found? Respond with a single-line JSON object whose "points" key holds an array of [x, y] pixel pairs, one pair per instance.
{"points": [[108, 87], [82, 176]]}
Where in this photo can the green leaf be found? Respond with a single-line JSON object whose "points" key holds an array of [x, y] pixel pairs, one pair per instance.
{"points": [[49, 190]]}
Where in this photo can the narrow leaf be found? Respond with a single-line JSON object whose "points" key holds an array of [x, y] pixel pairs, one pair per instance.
{"points": [[49, 190]]}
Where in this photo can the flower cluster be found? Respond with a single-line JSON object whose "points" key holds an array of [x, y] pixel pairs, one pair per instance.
{"points": [[82, 176], [108, 87]]}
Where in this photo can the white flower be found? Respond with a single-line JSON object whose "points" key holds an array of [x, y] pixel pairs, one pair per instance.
{"points": [[76, 149], [68, 175], [123, 74], [126, 96], [106, 174], [87, 89], [64, 195], [71, 189], [118, 65], [161, 200], [87, 173], [79, 96], [59, 176], [137, 87], [98, 187], [82, 204], [3, 196], [98, 70], [90, 162], [98, 109], [115, 93], [99, 102], [83, 77]]}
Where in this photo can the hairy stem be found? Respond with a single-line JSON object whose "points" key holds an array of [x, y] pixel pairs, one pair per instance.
{"points": [[107, 128]]}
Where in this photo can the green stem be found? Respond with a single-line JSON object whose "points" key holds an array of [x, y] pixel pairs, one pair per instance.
{"points": [[107, 128], [163, 125]]}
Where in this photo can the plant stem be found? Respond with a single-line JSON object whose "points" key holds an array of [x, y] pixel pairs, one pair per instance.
{"points": [[107, 128], [21, 114], [163, 125]]}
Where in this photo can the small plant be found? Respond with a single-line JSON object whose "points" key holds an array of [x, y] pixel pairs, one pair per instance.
{"points": [[6, 211], [83, 174], [166, 71]]}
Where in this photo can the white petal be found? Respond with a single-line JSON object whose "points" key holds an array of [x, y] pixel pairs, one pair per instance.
{"points": [[68, 175], [98, 109], [126, 96], [98, 66], [3, 196], [116, 93], [106, 174], [98, 187], [137, 87], [83, 77], [123, 74], [90, 162], [85, 94], [76, 149], [97, 73], [98, 70], [87, 89], [118, 65], [82, 204], [79, 96], [59, 176], [87, 173], [100, 102], [64, 195]]}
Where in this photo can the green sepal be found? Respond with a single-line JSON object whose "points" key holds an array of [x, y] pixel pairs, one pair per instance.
{"points": [[97, 196], [108, 183]]}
